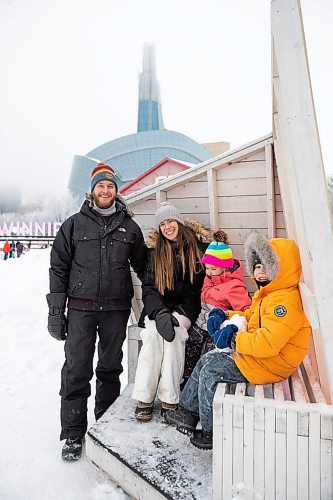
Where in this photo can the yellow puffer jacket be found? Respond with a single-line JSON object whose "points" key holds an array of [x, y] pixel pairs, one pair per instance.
{"points": [[278, 331]]}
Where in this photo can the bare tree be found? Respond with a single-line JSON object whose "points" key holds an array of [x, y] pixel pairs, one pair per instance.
{"points": [[58, 210]]}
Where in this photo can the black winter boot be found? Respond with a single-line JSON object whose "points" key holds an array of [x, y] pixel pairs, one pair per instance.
{"points": [[166, 407], [185, 421], [202, 439], [72, 449]]}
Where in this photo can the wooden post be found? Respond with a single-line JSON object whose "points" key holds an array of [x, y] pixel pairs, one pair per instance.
{"points": [[212, 199], [160, 196], [134, 346], [271, 226], [303, 184]]}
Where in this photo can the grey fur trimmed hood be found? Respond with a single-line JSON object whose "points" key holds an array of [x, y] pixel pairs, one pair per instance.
{"points": [[256, 245], [119, 199]]}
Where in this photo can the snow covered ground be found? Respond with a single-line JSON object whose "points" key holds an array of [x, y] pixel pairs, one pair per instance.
{"points": [[30, 364]]}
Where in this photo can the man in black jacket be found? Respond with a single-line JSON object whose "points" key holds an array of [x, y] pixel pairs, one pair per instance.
{"points": [[90, 274]]}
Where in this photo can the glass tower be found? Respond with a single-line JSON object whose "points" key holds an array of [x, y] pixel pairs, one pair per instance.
{"points": [[150, 111]]}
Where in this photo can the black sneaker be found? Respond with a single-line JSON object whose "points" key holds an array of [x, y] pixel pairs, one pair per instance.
{"points": [[72, 449], [202, 439], [165, 407], [144, 411], [185, 421]]}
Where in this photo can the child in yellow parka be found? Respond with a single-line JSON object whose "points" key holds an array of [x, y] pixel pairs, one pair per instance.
{"points": [[278, 331], [274, 345]]}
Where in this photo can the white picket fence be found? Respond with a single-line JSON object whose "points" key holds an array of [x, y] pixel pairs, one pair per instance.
{"points": [[274, 441]]}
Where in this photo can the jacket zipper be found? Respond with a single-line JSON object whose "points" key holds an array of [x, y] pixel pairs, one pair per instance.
{"points": [[101, 266], [100, 263], [260, 314]]}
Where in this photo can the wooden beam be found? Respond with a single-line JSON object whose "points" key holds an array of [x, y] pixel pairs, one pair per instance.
{"points": [[212, 199], [304, 171], [160, 196], [270, 192], [281, 152]]}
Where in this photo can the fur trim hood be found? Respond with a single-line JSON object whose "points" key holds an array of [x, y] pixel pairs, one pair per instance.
{"points": [[280, 257], [201, 233], [258, 246], [119, 199]]}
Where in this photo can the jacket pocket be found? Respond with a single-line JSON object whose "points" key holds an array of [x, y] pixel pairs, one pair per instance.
{"points": [[121, 245], [76, 285], [119, 281], [87, 248]]}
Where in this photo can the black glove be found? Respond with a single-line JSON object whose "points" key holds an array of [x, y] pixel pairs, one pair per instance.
{"points": [[165, 324], [215, 320], [226, 337], [57, 321]]}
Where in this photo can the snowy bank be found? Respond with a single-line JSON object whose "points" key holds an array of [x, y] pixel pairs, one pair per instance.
{"points": [[31, 360]]}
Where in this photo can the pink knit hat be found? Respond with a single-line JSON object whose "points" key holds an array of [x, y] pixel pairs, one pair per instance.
{"points": [[218, 253]]}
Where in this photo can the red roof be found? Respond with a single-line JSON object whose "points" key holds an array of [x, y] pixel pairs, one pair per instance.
{"points": [[151, 170]]}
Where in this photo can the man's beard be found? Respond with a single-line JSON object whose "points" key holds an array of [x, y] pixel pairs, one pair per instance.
{"points": [[104, 205]]}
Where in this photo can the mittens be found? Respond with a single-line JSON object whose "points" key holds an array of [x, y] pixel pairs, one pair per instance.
{"points": [[215, 320], [226, 337], [165, 324], [57, 321], [57, 326]]}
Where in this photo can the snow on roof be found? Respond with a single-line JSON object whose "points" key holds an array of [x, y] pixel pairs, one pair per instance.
{"points": [[183, 162]]}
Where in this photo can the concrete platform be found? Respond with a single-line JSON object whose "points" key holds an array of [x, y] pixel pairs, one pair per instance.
{"points": [[148, 460]]}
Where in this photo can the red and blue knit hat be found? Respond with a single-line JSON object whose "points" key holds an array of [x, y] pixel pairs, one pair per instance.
{"points": [[218, 253], [102, 172]]}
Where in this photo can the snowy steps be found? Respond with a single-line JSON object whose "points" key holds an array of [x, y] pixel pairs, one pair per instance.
{"points": [[148, 460]]}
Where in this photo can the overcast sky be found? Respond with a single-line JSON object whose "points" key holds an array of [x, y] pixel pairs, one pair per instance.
{"points": [[69, 76]]}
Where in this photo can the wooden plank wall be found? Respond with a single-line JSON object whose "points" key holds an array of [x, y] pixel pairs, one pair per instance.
{"points": [[246, 196]]}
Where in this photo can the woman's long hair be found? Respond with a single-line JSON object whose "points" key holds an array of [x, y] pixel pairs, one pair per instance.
{"points": [[164, 257]]}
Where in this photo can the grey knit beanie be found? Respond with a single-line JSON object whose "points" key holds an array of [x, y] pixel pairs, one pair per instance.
{"points": [[167, 211]]}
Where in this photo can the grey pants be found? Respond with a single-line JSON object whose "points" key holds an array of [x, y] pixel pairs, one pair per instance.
{"points": [[198, 394]]}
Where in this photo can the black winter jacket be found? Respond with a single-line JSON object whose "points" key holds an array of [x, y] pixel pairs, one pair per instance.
{"points": [[186, 295], [91, 260]]}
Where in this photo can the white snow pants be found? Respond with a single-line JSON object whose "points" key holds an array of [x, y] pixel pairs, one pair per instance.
{"points": [[161, 363]]}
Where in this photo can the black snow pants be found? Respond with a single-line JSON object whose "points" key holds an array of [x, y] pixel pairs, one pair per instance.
{"points": [[83, 327]]}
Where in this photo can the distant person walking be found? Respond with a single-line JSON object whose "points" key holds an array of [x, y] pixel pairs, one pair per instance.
{"points": [[12, 249], [90, 274], [19, 249], [6, 250]]}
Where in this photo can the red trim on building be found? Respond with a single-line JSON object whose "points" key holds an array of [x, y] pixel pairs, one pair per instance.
{"points": [[158, 165]]}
